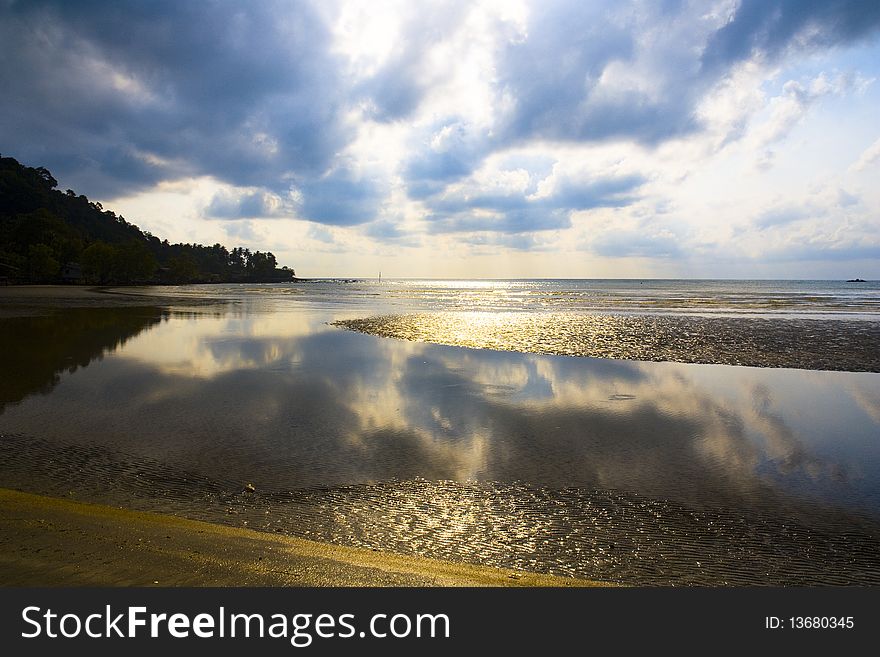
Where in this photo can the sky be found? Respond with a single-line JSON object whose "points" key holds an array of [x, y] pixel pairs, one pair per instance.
{"points": [[495, 139]]}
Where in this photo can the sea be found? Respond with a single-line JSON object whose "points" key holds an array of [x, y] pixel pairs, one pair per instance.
{"points": [[773, 298], [644, 432]]}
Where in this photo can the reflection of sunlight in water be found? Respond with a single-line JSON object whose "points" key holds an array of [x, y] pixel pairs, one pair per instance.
{"points": [[520, 459], [410, 409]]}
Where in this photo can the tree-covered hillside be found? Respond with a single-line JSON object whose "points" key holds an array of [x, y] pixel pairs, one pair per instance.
{"points": [[49, 236]]}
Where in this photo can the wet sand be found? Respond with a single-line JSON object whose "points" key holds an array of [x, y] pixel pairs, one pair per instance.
{"points": [[809, 344], [592, 468], [53, 542], [35, 300], [47, 541]]}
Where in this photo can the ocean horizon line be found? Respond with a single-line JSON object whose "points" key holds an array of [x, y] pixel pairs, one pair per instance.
{"points": [[552, 278]]}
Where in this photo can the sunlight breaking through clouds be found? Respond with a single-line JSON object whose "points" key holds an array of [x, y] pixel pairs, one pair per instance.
{"points": [[465, 139]]}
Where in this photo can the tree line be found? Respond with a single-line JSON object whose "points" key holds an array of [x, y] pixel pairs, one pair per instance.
{"points": [[49, 236]]}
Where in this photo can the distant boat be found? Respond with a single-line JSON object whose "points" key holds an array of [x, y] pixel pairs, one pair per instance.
{"points": [[856, 280]]}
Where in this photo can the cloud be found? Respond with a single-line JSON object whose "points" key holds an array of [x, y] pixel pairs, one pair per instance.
{"points": [[639, 71], [784, 215], [386, 230], [113, 97], [869, 157], [845, 199], [340, 198], [788, 109], [517, 242], [608, 193], [321, 234], [599, 192], [505, 196], [443, 153], [396, 89], [241, 230], [522, 220], [831, 226], [248, 205], [635, 244], [603, 71], [769, 29], [506, 206], [830, 203], [835, 251], [573, 73], [496, 122], [765, 160]]}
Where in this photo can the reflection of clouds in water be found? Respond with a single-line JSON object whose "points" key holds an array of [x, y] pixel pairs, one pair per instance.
{"points": [[413, 435], [781, 445], [629, 425], [592, 466], [867, 396], [286, 402], [206, 346]]}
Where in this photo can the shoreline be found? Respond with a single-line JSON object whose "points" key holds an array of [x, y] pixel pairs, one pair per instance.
{"points": [[50, 541], [38, 300], [606, 471], [805, 343]]}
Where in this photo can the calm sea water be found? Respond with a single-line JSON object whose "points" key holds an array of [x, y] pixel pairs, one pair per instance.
{"points": [[629, 471], [775, 298]]}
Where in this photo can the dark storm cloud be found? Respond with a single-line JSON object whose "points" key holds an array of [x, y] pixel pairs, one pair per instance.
{"points": [[117, 96]]}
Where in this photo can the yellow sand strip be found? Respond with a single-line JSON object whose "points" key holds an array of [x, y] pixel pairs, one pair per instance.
{"points": [[53, 542]]}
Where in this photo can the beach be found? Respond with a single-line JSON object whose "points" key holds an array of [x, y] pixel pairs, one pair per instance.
{"points": [[54, 542], [48, 541], [37, 300], [442, 435]]}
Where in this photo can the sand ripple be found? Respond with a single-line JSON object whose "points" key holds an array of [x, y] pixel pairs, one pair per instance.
{"points": [[599, 534], [849, 345]]}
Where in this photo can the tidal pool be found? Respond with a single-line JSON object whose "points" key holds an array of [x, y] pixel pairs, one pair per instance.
{"points": [[626, 471]]}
